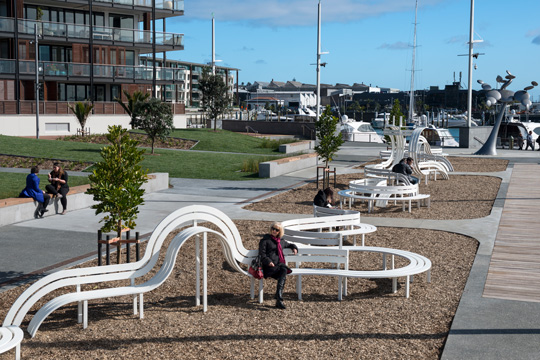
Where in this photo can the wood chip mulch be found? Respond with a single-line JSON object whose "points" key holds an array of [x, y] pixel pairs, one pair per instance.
{"points": [[371, 321]]}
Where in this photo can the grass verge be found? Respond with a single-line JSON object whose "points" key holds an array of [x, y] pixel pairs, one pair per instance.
{"points": [[13, 183]]}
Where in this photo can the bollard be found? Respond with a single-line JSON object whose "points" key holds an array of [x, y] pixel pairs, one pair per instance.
{"points": [[137, 247], [128, 257], [108, 251], [99, 246]]}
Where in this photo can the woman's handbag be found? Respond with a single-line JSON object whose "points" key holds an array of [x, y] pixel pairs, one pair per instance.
{"points": [[255, 268]]}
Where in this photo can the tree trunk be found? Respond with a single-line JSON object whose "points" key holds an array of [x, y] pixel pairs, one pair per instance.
{"points": [[118, 243]]}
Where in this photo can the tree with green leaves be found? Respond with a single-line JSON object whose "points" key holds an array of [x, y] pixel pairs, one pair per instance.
{"points": [[134, 105], [116, 182], [395, 113], [215, 95], [328, 135], [156, 120], [81, 110]]}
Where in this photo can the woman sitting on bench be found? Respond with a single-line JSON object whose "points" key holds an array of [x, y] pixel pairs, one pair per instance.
{"points": [[58, 186], [273, 261], [33, 191]]}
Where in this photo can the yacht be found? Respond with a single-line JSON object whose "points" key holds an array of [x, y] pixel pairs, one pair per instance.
{"points": [[439, 137], [360, 131], [380, 121]]}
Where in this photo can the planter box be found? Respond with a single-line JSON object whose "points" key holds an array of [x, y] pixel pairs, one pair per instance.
{"points": [[279, 167]]}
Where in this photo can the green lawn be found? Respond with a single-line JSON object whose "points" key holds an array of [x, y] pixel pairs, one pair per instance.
{"points": [[224, 140], [13, 183], [182, 164]]}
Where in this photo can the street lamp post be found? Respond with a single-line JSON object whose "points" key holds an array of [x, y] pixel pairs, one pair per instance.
{"points": [[36, 37]]}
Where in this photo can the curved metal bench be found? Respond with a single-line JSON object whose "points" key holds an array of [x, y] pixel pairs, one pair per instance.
{"points": [[377, 193], [11, 337]]}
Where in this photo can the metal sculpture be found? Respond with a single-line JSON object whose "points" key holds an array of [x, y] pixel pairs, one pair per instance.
{"points": [[505, 97]]}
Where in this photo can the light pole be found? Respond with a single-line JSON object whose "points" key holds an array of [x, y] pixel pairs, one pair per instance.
{"points": [[319, 53], [471, 45], [38, 85]]}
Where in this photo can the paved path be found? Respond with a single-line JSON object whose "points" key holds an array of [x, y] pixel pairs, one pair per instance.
{"points": [[483, 328]]}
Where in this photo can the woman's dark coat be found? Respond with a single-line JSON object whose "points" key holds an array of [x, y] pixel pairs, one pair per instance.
{"points": [[269, 253]]}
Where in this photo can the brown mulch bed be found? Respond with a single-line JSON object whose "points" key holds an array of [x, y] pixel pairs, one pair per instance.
{"points": [[11, 161], [460, 197], [476, 164], [370, 322], [170, 143]]}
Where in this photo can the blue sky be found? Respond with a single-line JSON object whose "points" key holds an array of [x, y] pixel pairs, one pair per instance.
{"points": [[369, 41]]}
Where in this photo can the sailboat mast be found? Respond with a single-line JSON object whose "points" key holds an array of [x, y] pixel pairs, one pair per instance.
{"points": [[411, 94]]}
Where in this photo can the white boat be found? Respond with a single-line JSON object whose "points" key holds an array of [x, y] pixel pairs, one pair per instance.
{"points": [[439, 137], [360, 131], [380, 121]]}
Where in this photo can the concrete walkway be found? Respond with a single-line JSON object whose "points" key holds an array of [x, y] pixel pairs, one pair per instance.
{"points": [[483, 328]]}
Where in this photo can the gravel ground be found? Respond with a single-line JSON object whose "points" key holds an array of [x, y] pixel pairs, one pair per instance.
{"points": [[370, 322], [460, 197]]}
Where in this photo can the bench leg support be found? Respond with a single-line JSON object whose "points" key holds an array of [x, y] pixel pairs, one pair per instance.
{"points": [[85, 314], [407, 285], [261, 291]]}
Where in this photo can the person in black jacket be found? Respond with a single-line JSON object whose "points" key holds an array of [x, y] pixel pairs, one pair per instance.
{"points": [[58, 186], [404, 167], [324, 198], [273, 261]]}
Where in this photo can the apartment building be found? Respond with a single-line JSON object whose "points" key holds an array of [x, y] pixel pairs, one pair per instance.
{"points": [[85, 50]]}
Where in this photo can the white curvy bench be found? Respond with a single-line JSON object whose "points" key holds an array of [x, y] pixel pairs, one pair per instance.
{"points": [[11, 337], [324, 230], [233, 249], [320, 211], [392, 178], [338, 258], [189, 217], [377, 193], [416, 263]]}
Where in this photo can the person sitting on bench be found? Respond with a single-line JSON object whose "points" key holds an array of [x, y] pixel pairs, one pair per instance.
{"points": [[404, 167], [33, 191], [324, 198]]}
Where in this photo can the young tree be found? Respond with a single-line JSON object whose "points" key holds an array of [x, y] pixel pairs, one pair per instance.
{"points": [[81, 110], [116, 182], [329, 136], [133, 106], [396, 113], [156, 120], [215, 97]]}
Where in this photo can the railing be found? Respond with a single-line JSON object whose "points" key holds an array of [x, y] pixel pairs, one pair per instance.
{"points": [[47, 28], [177, 5], [120, 72], [311, 132], [252, 129], [28, 107]]}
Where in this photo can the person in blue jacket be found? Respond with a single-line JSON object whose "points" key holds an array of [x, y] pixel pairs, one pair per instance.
{"points": [[33, 191]]}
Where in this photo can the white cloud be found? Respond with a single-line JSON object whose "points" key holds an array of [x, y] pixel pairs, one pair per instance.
{"points": [[400, 45], [294, 12]]}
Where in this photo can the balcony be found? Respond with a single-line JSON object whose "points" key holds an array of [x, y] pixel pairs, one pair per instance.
{"points": [[176, 5], [114, 73], [70, 32]]}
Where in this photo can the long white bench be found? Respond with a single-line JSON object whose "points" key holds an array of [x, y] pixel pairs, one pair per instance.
{"points": [[322, 211], [416, 263], [189, 217], [324, 230], [392, 178], [11, 337], [338, 258], [378, 193], [14, 210]]}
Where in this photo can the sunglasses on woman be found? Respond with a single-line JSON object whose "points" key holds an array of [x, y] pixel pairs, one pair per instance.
{"points": [[275, 229]]}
